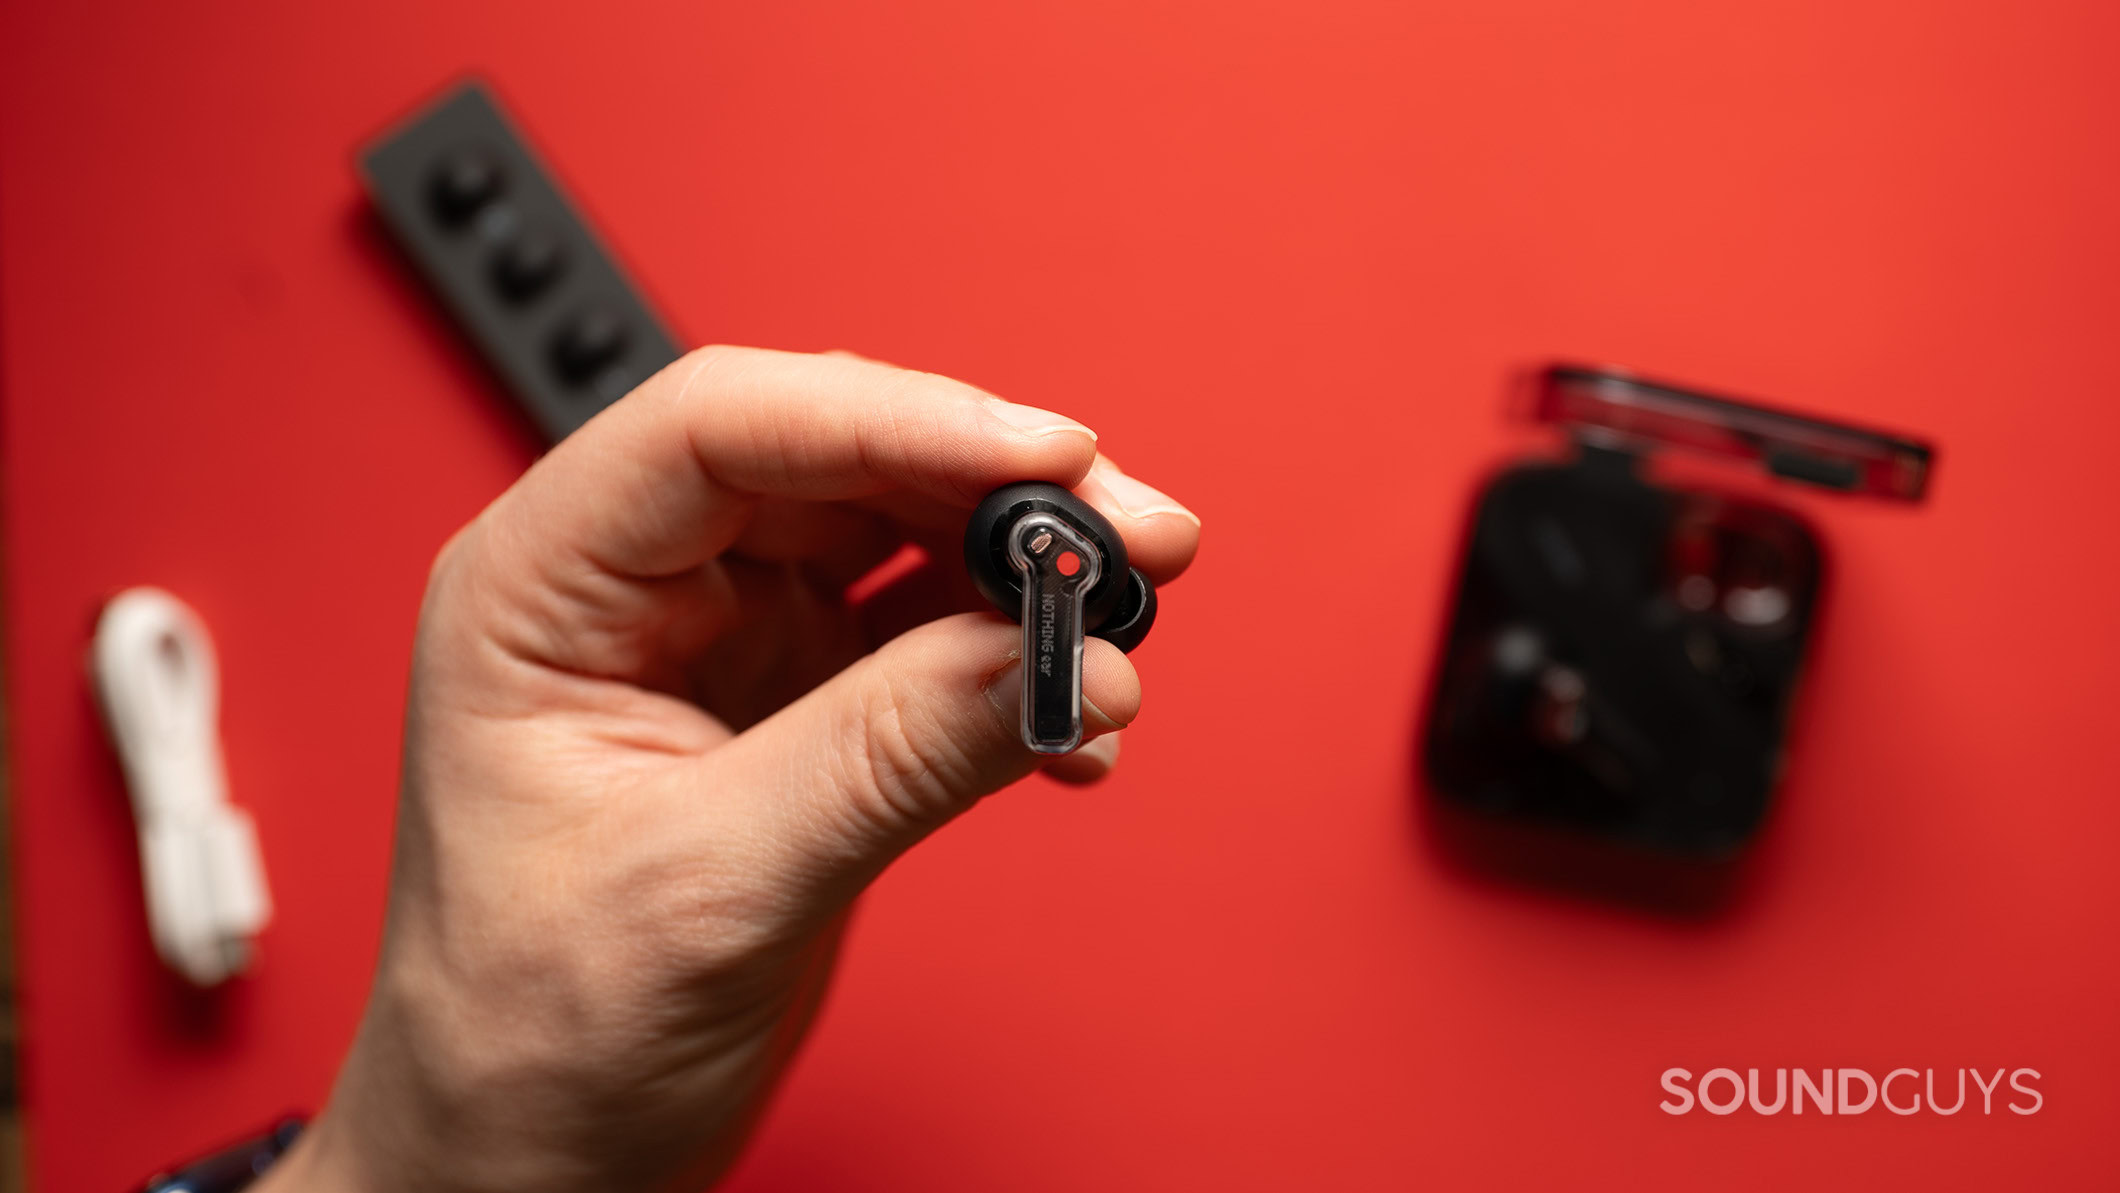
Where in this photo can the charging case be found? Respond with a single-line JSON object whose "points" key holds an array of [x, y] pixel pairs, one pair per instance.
{"points": [[1623, 653]]}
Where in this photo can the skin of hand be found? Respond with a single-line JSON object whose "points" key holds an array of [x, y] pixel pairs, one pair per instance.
{"points": [[653, 753]]}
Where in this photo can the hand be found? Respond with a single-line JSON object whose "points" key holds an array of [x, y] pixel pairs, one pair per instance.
{"points": [[653, 753]]}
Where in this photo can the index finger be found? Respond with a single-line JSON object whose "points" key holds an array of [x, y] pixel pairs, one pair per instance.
{"points": [[664, 480]]}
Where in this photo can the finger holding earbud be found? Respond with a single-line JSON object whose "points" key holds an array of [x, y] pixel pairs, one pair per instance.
{"points": [[1161, 535], [857, 771], [565, 567]]}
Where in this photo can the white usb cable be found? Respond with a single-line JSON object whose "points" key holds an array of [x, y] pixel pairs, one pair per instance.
{"points": [[159, 685]]}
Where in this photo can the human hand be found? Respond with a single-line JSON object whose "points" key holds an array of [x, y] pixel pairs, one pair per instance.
{"points": [[652, 754]]}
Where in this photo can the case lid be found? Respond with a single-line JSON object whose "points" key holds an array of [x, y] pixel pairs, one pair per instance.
{"points": [[1613, 408]]}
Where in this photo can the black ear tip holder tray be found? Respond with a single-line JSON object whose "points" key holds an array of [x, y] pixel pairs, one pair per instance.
{"points": [[512, 260]]}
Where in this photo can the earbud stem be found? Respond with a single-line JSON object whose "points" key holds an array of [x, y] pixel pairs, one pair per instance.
{"points": [[1041, 549]]}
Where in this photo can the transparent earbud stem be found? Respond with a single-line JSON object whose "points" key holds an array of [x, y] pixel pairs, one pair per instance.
{"points": [[1057, 566]]}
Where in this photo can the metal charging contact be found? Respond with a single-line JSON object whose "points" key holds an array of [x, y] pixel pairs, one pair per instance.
{"points": [[1057, 566]]}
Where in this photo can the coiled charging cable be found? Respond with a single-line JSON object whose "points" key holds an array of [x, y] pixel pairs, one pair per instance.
{"points": [[159, 685]]}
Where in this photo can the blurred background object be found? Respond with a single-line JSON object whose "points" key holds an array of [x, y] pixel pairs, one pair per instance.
{"points": [[1624, 653], [159, 686], [529, 283], [1282, 256]]}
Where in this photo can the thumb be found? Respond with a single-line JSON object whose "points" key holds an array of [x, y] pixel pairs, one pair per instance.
{"points": [[842, 781]]}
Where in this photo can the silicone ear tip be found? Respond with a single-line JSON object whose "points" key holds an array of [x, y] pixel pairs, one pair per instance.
{"points": [[1136, 614]]}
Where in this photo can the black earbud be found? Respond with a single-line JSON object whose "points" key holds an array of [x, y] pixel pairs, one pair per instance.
{"points": [[1047, 559]]}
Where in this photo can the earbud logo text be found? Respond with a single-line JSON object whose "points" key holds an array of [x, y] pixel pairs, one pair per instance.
{"points": [[1048, 607]]}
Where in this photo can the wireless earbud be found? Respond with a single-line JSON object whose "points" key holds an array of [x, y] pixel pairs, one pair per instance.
{"points": [[1057, 566]]}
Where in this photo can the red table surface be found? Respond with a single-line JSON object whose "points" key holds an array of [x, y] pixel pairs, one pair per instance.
{"points": [[1283, 257]]}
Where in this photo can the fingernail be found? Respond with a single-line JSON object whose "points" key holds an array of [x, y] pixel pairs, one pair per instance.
{"points": [[1036, 421], [1091, 715], [1004, 691], [1139, 500]]}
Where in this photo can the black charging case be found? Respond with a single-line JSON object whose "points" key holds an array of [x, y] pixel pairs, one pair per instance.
{"points": [[1623, 653]]}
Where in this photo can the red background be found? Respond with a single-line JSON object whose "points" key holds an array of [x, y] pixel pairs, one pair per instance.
{"points": [[1282, 256]]}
